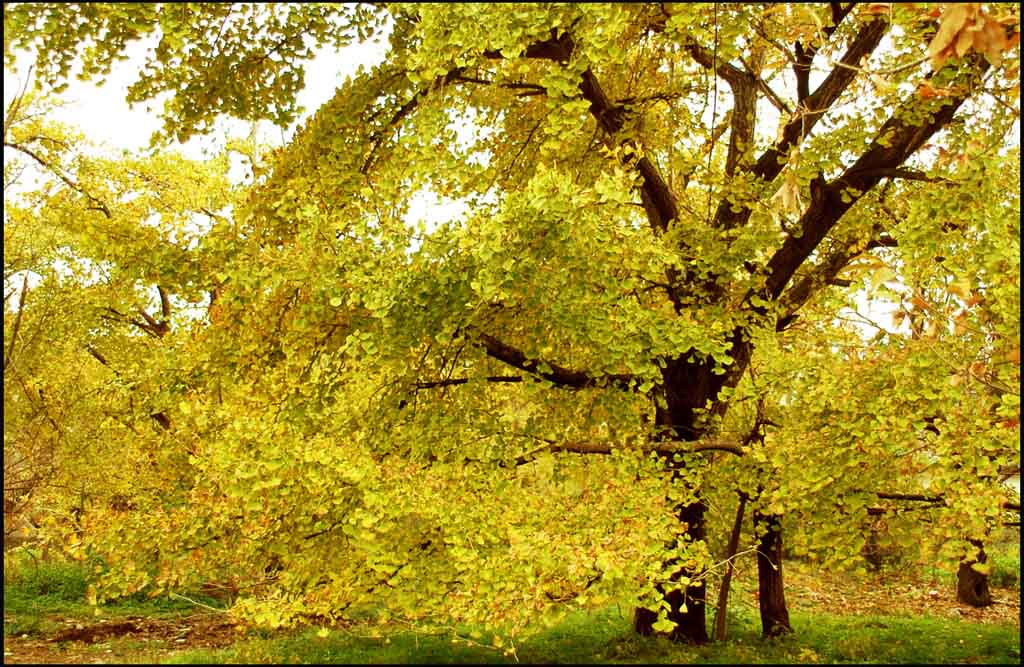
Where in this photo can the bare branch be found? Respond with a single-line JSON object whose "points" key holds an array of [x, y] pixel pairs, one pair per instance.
{"points": [[165, 303], [99, 205], [451, 382], [97, 356], [558, 375], [664, 448], [933, 499], [12, 110], [17, 323], [527, 88]]}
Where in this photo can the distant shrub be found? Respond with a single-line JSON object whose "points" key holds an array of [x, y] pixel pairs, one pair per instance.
{"points": [[1005, 567]]}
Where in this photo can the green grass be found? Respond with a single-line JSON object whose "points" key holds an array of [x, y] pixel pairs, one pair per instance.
{"points": [[605, 637], [36, 589]]}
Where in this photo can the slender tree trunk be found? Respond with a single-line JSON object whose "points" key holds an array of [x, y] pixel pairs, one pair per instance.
{"points": [[723, 593], [871, 551], [771, 592], [971, 585]]}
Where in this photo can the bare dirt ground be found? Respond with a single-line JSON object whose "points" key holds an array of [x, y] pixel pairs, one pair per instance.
{"points": [[131, 640]]}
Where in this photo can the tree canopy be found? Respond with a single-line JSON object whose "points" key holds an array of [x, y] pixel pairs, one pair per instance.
{"points": [[671, 213]]}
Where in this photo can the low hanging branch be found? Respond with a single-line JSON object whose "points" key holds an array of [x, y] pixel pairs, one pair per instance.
{"points": [[451, 382], [664, 448], [895, 141]]}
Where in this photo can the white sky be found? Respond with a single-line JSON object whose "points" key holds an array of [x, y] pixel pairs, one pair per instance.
{"points": [[106, 118]]}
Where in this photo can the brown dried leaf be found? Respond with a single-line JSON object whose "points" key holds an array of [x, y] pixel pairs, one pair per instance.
{"points": [[952, 21], [991, 40]]}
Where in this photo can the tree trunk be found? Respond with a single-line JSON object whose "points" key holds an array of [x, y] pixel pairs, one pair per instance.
{"points": [[686, 606], [771, 593], [688, 388], [871, 551], [971, 585], [691, 391], [723, 593]]}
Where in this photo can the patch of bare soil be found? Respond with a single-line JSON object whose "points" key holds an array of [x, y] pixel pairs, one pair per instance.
{"points": [[132, 640]]}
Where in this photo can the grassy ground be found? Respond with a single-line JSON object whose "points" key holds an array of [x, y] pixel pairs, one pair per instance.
{"points": [[605, 637], [899, 616]]}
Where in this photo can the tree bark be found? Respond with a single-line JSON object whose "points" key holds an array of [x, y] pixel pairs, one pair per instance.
{"points": [[971, 585], [771, 592]]}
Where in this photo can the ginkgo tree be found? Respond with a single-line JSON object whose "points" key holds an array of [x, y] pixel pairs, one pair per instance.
{"points": [[498, 417]]}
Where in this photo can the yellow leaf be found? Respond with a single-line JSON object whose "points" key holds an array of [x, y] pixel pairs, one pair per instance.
{"points": [[981, 568]]}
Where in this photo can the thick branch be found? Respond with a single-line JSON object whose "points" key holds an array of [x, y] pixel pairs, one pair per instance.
{"points": [[826, 272], [558, 48], [165, 303], [527, 88], [558, 375], [896, 141], [770, 164], [932, 499], [810, 111], [744, 94], [805, 56], [664, 448], [658, 200], [151, 326]]}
